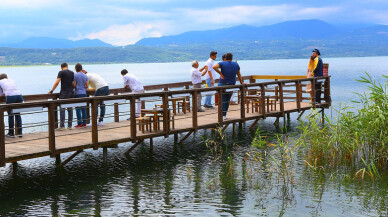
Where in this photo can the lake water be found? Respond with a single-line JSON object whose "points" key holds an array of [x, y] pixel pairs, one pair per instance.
{"points": [[185, 180]]}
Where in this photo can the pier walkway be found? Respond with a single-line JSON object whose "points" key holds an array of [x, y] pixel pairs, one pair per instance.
{"points": [[253, 101]]}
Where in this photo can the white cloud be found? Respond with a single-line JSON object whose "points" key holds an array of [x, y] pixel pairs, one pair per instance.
{"points": [[28, 3], [128, 34]]}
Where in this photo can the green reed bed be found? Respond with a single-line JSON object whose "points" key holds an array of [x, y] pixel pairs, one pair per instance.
{"points": [[358, 137]]}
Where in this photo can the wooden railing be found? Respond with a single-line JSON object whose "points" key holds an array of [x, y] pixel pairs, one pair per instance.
{"points": [[278, 87]]}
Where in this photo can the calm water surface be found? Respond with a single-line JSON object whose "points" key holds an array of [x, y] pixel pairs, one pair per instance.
{"points": [[185, 180]]}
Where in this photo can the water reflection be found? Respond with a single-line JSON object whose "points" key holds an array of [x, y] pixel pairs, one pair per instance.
{"points": [[183, 180]]}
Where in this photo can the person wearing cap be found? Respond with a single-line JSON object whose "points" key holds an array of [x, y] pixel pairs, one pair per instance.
{"points": [[196, 75], [210, 77], [317, 71], [12, 95]]}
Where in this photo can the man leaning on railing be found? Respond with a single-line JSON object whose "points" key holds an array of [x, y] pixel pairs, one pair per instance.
{"points": [[229, 71]]}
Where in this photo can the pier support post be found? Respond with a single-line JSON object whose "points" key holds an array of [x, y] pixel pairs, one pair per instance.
{"points": [[105, 154], [57, 159], [288, 117], [234, 130], [14, 168], [187, 136], [151, 145], [133, 146], [175, 138]]}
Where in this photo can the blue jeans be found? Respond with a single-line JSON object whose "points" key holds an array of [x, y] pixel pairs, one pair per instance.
{"points": [[208, 99], [81, 111], [225, 99], [102, 91], [11, 121]]}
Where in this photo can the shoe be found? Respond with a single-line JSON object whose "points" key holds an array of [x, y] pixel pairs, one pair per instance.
{"points": [[88, 125], [208, 106], [79, 126], [224, 118], [128, 119], [61, 129], [200, 110], [10, 136], [83, 125], [19, 135], [100, 123], [69, 128]]}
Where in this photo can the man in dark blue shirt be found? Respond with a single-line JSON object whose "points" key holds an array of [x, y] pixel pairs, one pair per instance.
{"points": [[229, 71]]}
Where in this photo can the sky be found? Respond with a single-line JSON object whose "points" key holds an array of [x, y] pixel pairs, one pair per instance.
{"points": [[123, 22]]}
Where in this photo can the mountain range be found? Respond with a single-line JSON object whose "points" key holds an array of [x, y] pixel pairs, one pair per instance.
{"points": [[49, 43], [292, 39]]}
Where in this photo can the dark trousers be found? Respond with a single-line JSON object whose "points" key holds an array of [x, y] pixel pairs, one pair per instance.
{"points": [[102, 91], [226, 95], [66, 95], [11, 117], [318, 92]]}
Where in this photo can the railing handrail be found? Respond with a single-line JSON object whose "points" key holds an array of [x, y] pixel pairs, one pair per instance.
{"points": [[126, 95]]}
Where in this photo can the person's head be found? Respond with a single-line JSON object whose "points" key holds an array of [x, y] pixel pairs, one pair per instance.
{"points": [[78, 67], [64, 66], [223, 57], [213, 55], [229, 57], [194, 63], [124, 72], [3, 76], [316, 53]]}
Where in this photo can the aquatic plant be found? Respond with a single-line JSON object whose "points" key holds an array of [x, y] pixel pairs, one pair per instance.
{"points": [[358, 137]]}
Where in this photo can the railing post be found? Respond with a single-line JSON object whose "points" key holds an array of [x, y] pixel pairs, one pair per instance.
{"points": [[94, 124], [242, 101], [327, 91], [2, 139], [262, 99], [166, 115], [194, 96], [313, 100], [56, 113], [51, 128], [276, 91], [116, 110], [133, 117], [251, 81], [220, 104], [298, 95], [281, 98]]}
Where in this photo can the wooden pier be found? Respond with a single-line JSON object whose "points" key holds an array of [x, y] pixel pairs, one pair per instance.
{"points": [[254, 101]]}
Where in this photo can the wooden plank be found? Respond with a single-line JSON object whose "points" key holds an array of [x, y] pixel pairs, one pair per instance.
{"points": [[281, 99], [116, 110], [242, 102], [278, 76], [94, 125], [298, 94], [51, 128], [70, 158], [194, 96], [2, 139], [220, 103], [133, 117]]}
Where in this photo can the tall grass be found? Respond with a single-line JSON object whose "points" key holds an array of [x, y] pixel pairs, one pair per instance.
{"points": [[358, 137]]}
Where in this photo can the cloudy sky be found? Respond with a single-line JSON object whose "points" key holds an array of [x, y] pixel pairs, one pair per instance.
{"points": [[123, 22]]}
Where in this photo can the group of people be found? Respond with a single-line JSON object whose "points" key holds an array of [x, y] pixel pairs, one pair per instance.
{"points": [[75, 85], [228, 71]]}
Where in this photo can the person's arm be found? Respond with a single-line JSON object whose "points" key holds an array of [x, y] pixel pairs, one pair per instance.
{"points": [[126, 86], [240, 77], [202, 69], [55, 85], [216, 68], [74, 84]]}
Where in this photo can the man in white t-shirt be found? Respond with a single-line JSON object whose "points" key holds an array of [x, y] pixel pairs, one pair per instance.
{"points": [[12, 95], [131, 82], [210, 77], [196, 79], [97, 83]]}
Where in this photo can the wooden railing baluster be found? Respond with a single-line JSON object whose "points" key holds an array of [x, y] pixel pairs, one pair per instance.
{"points": [[220, 104], [51, 128], [116, 110], [194, 96], [2, 139], [133, 117], [94, 124], [242, 102]]}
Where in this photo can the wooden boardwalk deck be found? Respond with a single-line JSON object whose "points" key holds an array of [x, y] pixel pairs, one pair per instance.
{"points": [[36, 144], [288, 95]]}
